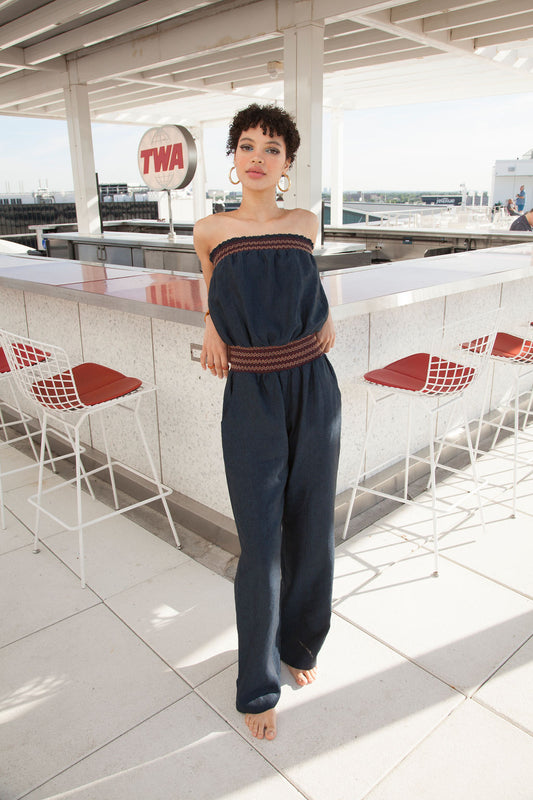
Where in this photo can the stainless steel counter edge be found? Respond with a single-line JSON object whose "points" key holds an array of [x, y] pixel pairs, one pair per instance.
{"points": [[145, 309]]}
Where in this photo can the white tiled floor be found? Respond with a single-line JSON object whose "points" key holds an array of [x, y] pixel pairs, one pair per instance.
{"points": [[125, 689]]}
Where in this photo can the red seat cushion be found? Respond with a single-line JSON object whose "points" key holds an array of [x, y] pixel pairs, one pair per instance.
{"points": [[4, 366], [94, 383], [26, 356], [506, 345], [411, 374]]}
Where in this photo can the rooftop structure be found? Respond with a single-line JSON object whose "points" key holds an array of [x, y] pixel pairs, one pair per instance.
{"points": [[193, 63]]}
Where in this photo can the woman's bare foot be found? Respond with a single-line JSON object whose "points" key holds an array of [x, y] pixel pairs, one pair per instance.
{"points": [[262, 725], [303, 677]]}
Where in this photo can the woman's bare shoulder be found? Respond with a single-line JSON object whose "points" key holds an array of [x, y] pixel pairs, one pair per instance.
{"points": [[211, 230], [304, 222]]}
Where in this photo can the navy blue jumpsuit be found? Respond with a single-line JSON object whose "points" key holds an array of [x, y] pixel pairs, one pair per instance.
{"points": [[280, 436]]}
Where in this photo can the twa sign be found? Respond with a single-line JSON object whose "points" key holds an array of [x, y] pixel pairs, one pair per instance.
{"points": [[167, 157]]}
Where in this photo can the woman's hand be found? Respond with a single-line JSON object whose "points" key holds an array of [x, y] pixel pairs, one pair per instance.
{"points": [[214, 355], [326, 335]]}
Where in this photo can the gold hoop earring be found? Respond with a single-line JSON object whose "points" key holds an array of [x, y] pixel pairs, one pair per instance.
{"points": [[231, 179], [284, 175]]}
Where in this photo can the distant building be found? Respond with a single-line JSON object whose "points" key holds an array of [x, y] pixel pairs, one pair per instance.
{"points": [[509, 175], [442, 199]]}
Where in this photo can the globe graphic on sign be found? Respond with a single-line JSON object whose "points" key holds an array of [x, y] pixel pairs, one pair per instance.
{"points": [[167, 157]]}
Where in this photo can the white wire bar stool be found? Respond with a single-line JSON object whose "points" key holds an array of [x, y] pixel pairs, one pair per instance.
{"points": [[67, 396], [12, 420], [516, 352], [434, 382]]}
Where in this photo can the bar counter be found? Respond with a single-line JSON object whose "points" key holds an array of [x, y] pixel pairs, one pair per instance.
{"points": [[150, 324]]}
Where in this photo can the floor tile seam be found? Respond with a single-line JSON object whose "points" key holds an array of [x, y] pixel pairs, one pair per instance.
{"points": [[14, 549], [428, 548], [505, 661], [488, 707], [101, 747], [403, 655], [18, 519], [412, 749], [51, 625], [144, 581], [42, 543], [487, 577], [250, 741], [174, 669], [468, 693]]}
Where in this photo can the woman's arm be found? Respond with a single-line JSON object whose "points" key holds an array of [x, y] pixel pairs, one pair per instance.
{"points": [[214, 355], [326, 335]]}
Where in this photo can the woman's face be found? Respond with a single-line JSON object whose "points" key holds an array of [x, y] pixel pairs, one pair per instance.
{"points": [[260, 159]]}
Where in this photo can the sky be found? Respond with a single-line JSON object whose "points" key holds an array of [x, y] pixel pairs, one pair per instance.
{"points": [[420, 147]]}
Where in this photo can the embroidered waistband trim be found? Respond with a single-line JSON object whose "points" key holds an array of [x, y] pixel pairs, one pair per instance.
{"points": [[274, 359]]}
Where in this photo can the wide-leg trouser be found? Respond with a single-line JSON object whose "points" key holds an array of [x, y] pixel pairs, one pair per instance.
{"points": [[280, 434]]}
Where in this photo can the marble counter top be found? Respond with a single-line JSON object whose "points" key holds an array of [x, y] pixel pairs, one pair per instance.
{"points": [[182, 296], [399, 283]]}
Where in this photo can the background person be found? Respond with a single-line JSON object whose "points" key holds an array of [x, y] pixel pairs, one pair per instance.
{"points": [[511, 208], [523, 223], [521, 200]]}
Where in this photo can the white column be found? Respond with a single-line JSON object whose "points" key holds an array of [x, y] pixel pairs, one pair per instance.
{"points": [[303, 72], [82, 157], [198, 182], [337, 164]]}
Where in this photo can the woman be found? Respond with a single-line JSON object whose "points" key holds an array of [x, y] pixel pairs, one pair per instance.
{"points": [[269, 318]]}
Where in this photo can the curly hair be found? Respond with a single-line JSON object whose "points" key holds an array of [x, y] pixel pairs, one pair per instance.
{"points": [[274, 121]]}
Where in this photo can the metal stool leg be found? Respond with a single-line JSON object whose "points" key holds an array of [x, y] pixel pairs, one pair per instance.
{"points": [[155, 475]]}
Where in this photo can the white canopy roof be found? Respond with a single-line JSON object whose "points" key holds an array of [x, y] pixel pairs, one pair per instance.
{"points": [[193, 61]]}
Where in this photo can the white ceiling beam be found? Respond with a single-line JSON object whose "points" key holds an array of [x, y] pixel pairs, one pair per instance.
{"points": [[12, 57], [142, 96], [31, 115], [182, 71], [340, 28], [198, 86], [414, 52], [7, 71], [55, 105], [140, 16], [410, 11], [44, 19], [224, 29], [123, 105], [57, 97], [259, 73], [415, 33], [24, 88], [265, 47], [507, 25], [116, 91], [365, 37], [258, 83], [330, 9], [504, 38], [218, 71], [474, 15]]}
